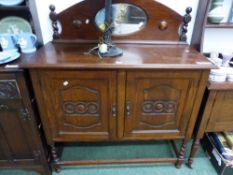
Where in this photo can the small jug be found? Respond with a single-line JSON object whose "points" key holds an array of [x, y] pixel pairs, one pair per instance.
{"points": [[8, 42], [27, 42]]}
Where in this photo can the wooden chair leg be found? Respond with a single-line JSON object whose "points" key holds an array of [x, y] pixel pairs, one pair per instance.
{"points": [[180, 160], [195, 146]]}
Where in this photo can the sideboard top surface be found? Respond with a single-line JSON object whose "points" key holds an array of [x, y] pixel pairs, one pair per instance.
{"points": [[64, 55]]}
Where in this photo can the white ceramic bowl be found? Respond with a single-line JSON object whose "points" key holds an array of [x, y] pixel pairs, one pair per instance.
{"points": [[218, 75], [230, 75]]}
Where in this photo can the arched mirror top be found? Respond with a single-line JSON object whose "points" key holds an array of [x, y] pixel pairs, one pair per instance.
{"points": [[133, 20]]}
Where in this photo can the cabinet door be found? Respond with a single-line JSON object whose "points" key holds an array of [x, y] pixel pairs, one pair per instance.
{"points": [[159, 103], [78, 104], [219, 111], [16, 135]]}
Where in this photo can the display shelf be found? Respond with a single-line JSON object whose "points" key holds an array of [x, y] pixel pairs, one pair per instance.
{"points": [[14, 8], [22, 10], [202, 24], [220, 25]]}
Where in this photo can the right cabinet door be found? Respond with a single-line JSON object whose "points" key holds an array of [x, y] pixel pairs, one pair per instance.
{"points": [[159, 103]]}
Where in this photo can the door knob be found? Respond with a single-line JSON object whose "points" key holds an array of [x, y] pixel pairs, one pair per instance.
{"points": [[127, 109], [65, 83], [114, 110]]}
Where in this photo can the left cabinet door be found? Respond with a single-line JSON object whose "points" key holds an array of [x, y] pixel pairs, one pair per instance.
{"points": [[18, 135], [76, 105]]}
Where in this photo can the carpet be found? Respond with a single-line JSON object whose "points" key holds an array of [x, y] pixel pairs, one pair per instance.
{"points": [[126, 150]]}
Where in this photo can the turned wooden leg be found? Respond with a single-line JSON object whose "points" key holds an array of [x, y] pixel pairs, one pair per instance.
{"points": [[180, 160], [195, 146], [55, 159]]}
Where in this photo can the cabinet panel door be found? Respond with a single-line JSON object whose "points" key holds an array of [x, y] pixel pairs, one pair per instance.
{"points": [[19, 137], [220, 105], [78, 104], [16, 142], [159, 103], [14, 136]]}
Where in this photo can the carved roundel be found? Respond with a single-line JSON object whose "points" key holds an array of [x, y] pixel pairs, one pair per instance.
{"points": [[80, 108], [170, 107], [159, 107], [92, 108], [69, 108], [147, 107]]}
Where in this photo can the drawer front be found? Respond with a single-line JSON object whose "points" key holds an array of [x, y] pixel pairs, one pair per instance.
{"points": [[78, 104], [220, 111], [159, 104]]}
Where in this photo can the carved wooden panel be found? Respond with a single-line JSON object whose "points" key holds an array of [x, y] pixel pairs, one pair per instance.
{"points": [[14, 137], [84, 105], [219, 111], [9, 89], [81, 107], [160, 102], [160, 105], [78, 104]]}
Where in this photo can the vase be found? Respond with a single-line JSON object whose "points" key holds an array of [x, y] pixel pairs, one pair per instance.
{"points": [[216, 14]]}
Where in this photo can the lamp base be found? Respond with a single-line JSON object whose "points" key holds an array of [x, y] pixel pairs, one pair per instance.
{"points": [[112, 52]]}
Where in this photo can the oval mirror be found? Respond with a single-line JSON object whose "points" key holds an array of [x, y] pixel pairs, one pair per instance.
{"points": [[127, 19]]}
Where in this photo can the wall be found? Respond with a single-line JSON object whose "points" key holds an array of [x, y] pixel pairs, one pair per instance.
{"points": [[44, 31]]}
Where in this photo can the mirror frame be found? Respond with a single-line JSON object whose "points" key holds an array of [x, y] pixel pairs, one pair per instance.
{"points": [[78, 23]]}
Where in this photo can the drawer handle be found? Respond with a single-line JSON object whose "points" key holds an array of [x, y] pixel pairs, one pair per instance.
{"points": [[114, 110], [3, 107], [128, 109], [65, 83]]}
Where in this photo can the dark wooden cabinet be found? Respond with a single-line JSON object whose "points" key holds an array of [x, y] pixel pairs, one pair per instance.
{"points": [[117, 105], [217, 114], [151, 92], [219, 111], [20, 142]]}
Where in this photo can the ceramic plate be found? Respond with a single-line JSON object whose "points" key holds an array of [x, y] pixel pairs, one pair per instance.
{"points": [[14, 24], [10, 2], [13, 57], [4, 56]]}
